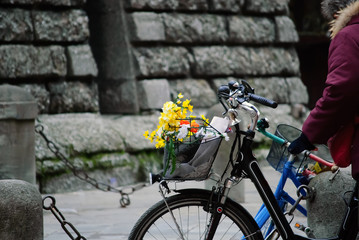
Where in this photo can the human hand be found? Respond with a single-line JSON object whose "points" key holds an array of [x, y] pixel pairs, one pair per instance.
{"points": [[300, 144]]}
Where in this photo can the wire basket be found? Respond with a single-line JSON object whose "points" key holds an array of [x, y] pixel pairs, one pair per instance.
{"points": [[194, 155], [278, 154]]}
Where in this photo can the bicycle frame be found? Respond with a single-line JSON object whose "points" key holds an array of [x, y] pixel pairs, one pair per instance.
{"points": [[250, 166], [248, 163], [281, 196], [245, 165]]}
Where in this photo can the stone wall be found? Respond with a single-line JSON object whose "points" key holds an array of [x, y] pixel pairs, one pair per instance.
{"points": [[44, 48], [194, 46], [80, 58]]}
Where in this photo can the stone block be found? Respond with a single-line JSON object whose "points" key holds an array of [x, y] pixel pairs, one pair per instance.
{"points": [[81, 62], [226, 5], [198, 90], [274, 88], [15, 25], [73, 97], [193, 5], [124, 176], [89, 163], [21, 211], [267, 6], [47, 2], [192, 28], [147, 26], [154, 93], [88, 133], [162, 61], [251, 29], [285, 30], [25, 2], [118, 97], [20, 61], [18, 110], [297, 90], [328, 202], [274, 61], [152, 4], [62, 2], [64, 26], [218, 60], [41, 95]]}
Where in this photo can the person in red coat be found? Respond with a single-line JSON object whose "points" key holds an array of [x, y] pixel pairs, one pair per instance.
{"points": [[339, 103]]}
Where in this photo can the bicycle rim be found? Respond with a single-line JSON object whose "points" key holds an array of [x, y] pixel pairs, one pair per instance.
{"points": [[192, 221]]}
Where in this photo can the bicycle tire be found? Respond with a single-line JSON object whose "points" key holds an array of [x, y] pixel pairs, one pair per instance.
{"points": [[188, 206]]}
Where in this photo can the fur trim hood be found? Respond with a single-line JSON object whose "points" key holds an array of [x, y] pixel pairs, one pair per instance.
{"points": [[345, 15]]}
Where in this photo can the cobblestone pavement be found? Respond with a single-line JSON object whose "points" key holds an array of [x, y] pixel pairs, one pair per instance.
{"points": [[98, 215]]}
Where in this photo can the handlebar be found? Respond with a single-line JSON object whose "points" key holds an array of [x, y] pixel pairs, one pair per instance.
{"points": [[262, 100], [307, 153], [242, 92], [237, 96]]}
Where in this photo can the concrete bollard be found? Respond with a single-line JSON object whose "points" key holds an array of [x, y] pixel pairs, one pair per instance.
{"points": [[18, 109], [21, 214], [326, 211]]}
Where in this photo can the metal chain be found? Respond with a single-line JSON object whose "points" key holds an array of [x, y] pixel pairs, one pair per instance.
{"points": [[81, 174], [66, 226]]}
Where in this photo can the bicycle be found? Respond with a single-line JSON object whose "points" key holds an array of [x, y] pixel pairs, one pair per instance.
{"points": [[204, 214], [278, 159]]}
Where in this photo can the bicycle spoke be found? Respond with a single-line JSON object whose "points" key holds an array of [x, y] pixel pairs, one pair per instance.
{"points": [[188, 219]]}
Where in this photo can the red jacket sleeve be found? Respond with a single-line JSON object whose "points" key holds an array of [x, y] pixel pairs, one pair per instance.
{"points": [[339, 102]]}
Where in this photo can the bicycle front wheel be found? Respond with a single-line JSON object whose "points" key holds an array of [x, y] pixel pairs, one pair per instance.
{"points": [[189, 218]]}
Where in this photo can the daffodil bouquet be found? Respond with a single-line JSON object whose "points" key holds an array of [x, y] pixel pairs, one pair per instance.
{"points": [[176, 127]]}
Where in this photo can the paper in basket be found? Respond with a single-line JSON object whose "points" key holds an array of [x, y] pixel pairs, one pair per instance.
{"points": [[194, 160]]}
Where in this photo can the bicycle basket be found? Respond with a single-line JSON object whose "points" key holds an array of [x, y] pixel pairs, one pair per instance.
{"points": [[278, 154], [194, 156]]}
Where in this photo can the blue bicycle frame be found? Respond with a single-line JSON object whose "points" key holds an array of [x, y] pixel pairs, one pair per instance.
{"points": [[282, 197]]}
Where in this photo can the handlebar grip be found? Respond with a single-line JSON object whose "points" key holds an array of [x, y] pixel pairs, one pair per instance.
{"points": [[263, 100], [332, 166]]}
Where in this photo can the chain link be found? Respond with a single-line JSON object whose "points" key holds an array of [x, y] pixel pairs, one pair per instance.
{"points": [[81, 174], [66, 226]]}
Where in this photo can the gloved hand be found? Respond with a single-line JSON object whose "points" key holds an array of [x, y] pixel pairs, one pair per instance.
{"points": [[300, 144]]}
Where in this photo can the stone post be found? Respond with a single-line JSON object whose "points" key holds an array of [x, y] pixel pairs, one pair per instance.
{"points": [[113, 53], [18, 111], [21, 214], [328, 203]]}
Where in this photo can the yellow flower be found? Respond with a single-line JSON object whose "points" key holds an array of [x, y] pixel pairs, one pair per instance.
{"points": [[168, 106], [146, 134], [190, 107], [160, 143], [205, 120], [169, 122], [152, 136], [186, 103]]}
